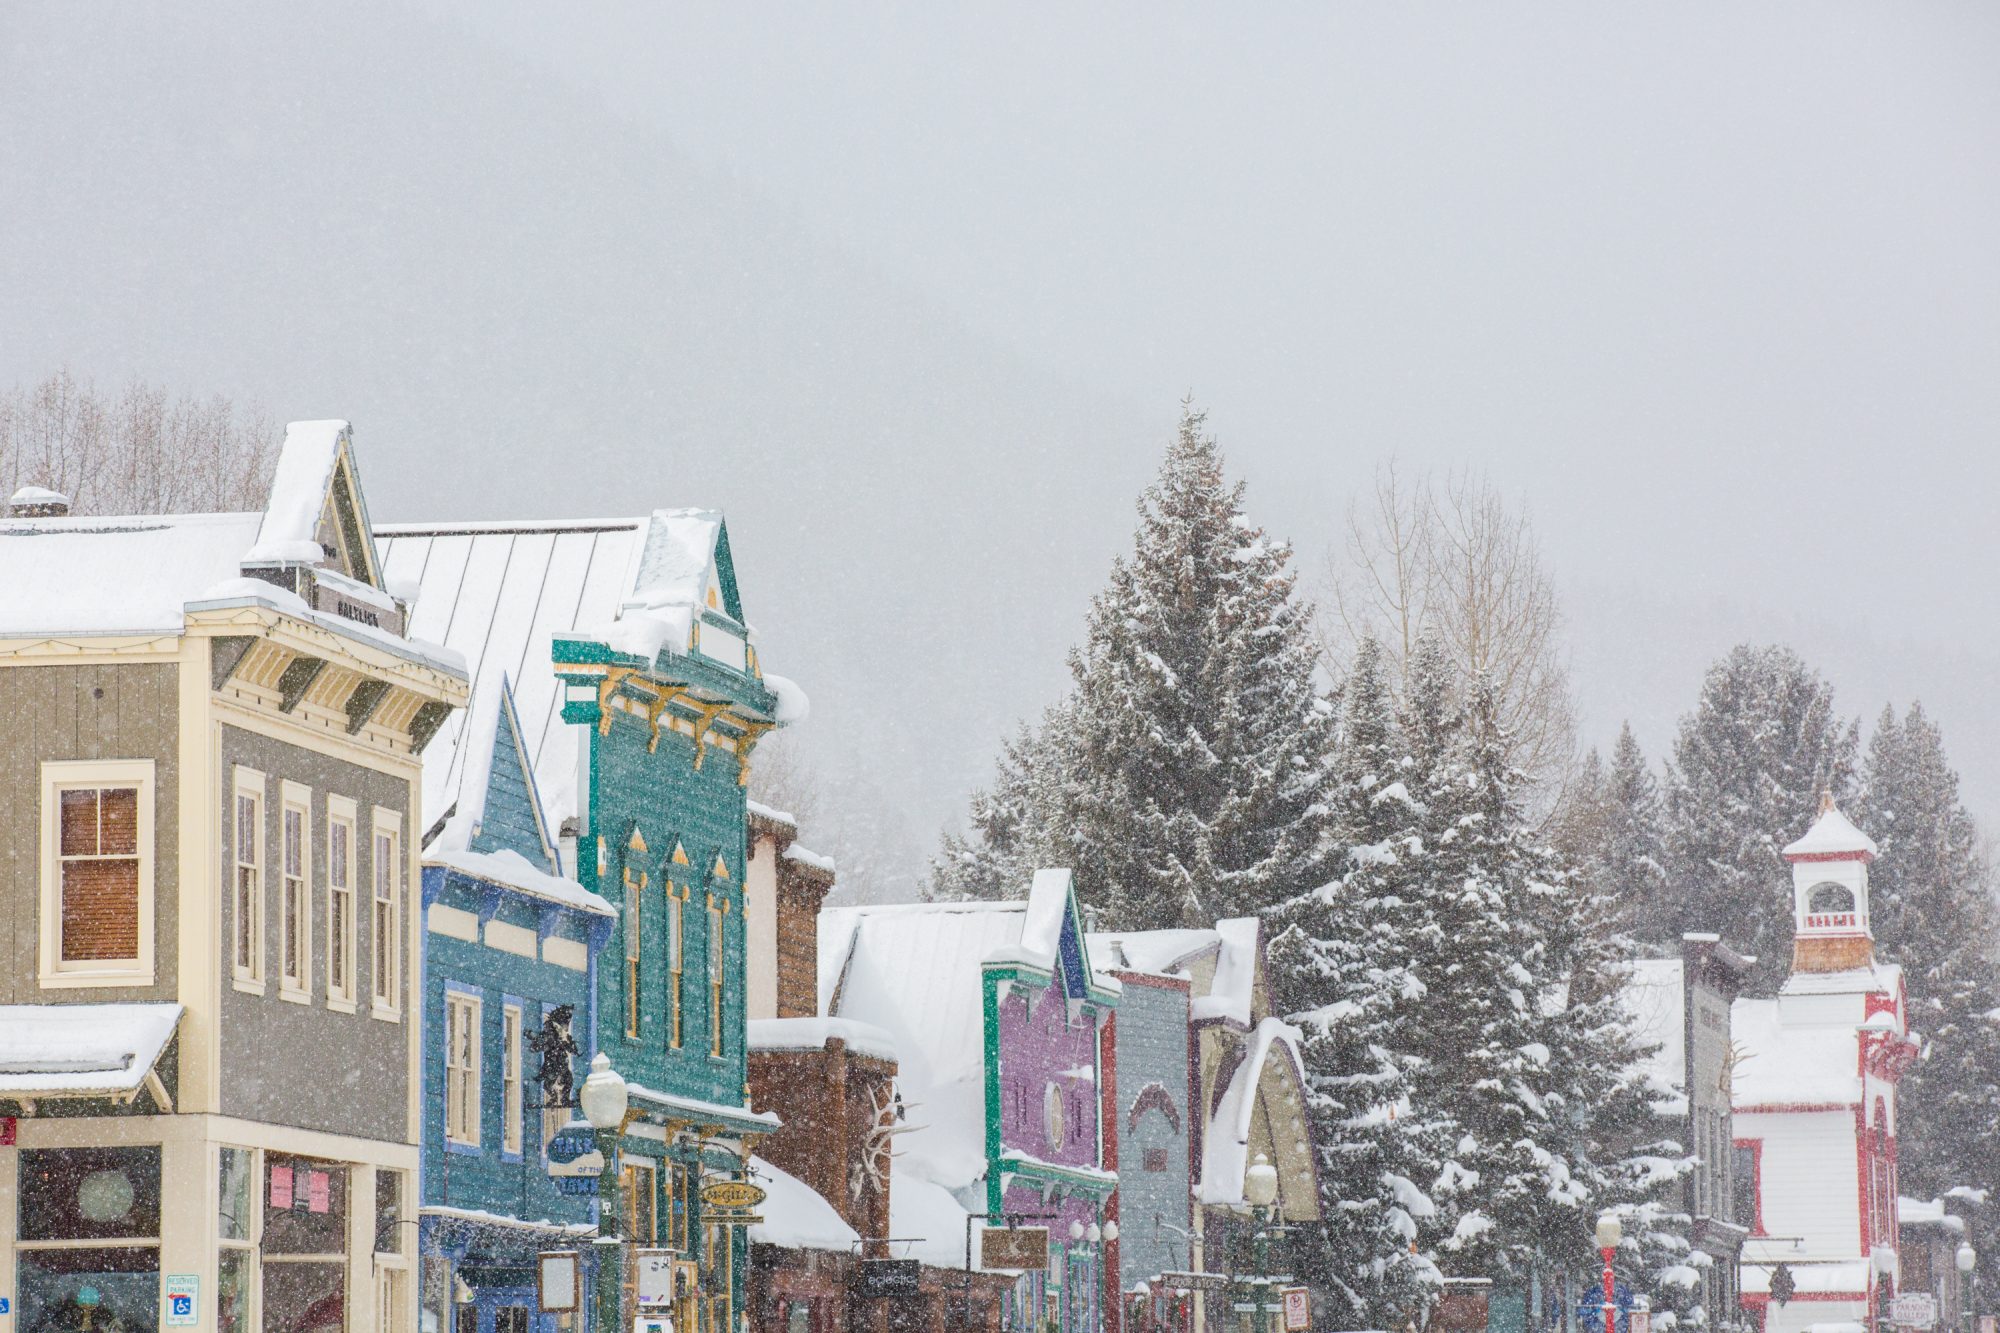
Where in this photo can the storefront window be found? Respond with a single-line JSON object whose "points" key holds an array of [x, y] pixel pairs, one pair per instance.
{"points": [[89, 1194], [304, 1246], [233, 1217], [232, 1291], [388, 1211]]}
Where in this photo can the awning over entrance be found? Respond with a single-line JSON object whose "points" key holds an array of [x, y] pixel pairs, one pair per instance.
{"points": [[84, 1050], [676, 1110]]}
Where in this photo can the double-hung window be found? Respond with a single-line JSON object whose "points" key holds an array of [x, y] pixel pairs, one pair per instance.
{"points": [[340, 903], [295, 895], [676, 900], [635, 893], [247, 880], [718, 913], [386, 934], [97, 873], [461, 1068], [510, 1079]]}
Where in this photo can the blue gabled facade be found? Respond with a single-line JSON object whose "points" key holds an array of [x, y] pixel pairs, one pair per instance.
{"points": [[509, 946]]}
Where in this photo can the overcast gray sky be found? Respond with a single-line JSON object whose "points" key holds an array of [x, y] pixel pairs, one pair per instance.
{"points": [[913, 292]]}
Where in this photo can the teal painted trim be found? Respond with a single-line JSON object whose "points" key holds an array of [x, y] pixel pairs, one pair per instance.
{"points": [[1030, 975], [725, 573], [1057, 1175], [989, 985]]}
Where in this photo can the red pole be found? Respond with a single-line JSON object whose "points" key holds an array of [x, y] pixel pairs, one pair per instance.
{"points": [[1610, 1296]]}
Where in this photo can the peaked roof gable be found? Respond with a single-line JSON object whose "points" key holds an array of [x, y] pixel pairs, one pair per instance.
{"points": [[316, 514], [513, 819], [1053, 941]]}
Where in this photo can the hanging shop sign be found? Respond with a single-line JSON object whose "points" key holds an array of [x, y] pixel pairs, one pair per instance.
{"points": [[1192, 1281], [1023, 1248], [887, 1277], [1914, 1309], [559, 1281], [574, 1160], [731, 1194], [665, 1277]]}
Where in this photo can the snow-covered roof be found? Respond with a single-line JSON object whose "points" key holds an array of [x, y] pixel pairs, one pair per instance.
{"points": [[512, 870], [38, 495], [812, 1034], [1226, 1146], [1927, 1213], [913, 971], [695, 1110], [1161, 952], [1231, 994], [79, 1050], [306, 464], [114, 575], [1873, 979], [497, 592], [1832, 837], [925, 1213], [794, 1215], [1808, 1277], [1790, 1064], [1655, 995]]}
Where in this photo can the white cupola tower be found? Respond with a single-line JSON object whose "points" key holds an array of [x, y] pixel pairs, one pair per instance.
{"points": [[1830, 894]]}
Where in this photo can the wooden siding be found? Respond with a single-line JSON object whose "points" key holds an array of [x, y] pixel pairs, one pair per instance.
{"points": [[110, 711]]}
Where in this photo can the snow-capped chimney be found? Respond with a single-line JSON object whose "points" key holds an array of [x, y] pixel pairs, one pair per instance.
{"points": [[1830, 894], [38, 502]]}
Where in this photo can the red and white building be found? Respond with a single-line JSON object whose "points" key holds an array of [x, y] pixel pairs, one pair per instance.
{"points": [[1813, 1082]]}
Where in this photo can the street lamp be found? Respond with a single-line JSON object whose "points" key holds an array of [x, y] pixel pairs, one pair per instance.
{"points": [[1967, 1260], [1610, 1235], [604, 1099], [1260, 1191], [1883, 1259]]}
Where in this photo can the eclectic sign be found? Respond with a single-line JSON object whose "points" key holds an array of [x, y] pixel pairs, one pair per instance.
{"points": [[887, 1277]]}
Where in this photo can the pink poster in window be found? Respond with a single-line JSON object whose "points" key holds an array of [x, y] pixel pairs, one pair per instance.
{"points": [[318, 1186], [281, 1187]]}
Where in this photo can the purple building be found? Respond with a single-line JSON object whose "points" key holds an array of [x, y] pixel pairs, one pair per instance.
{"points": [[1004, 1028]]}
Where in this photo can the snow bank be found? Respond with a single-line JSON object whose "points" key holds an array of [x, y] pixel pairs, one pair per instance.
{"points": [[795, 1217]]}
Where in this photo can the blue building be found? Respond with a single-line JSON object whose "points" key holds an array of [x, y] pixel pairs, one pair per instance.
{"points": [[509, 980]]}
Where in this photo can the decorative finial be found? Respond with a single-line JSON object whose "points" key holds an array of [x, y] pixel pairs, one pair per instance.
{"points": [[1825, 799]]}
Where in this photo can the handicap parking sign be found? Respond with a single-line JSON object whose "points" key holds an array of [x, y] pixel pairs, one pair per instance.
{"points": [[181, 1291]]}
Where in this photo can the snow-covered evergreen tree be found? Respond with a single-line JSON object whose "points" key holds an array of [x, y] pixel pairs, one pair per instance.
{"points": [[1342, 969], [1748, 766], [1192, 770], [1931, 908], [1620, 848], [1018, 824]]}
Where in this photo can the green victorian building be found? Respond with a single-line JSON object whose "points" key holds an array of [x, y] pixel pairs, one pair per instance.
{"points": [[641, 701]]}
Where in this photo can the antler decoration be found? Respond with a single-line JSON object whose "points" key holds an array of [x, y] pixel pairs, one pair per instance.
{"points": [[878, 1150]]}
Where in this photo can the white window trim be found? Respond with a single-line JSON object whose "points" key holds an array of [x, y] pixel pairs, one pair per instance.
{"points": [[248, 782], [389, 1009], [456, 1000], [56, 775], [296, 796], [342, 810], [513, 1099]]}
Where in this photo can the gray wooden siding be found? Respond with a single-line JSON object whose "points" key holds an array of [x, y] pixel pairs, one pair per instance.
{"points": [[83, 712], [307, 1065], [1153, 1206]]}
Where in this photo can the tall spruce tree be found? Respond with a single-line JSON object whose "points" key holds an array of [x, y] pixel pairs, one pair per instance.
{"points": [[1342, 968], [1187, 779], [1931, 908], [1018, 824], [1748, 766], [1621, 851]]}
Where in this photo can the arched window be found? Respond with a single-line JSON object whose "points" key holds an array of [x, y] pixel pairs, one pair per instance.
{"points": [[1829, 897]]}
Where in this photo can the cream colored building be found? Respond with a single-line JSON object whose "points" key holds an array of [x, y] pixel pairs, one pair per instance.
{"points": [[209, 823]]}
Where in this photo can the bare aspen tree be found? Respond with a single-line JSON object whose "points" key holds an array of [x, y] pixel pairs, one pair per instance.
{"points": [[1456, 559], [141, 452]]}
